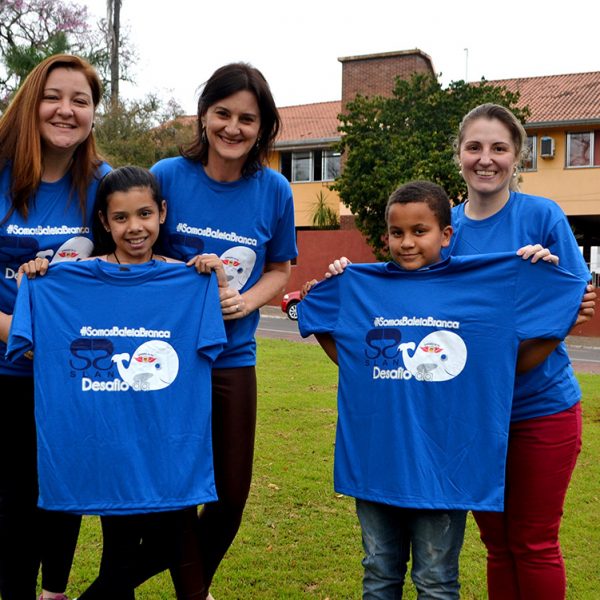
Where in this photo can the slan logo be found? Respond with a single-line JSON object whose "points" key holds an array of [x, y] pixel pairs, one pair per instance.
{"points": [[439, 356], [153, 366]]}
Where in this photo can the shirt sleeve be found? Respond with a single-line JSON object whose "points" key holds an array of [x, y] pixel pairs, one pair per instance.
{"points": [[20, 337], [211, 333], [319, 311], [562, 242], [547, 300], [282, 246]]}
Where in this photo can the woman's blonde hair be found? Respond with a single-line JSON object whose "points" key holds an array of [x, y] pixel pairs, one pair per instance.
{"points": [[490, 111]]}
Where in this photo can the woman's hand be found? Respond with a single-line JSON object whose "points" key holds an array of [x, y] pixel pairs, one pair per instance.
{"points": [[337, 266], [537, 252], [33, 268], [233, 305], [588, 306]]}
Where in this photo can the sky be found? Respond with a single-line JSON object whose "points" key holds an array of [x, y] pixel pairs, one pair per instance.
{"points": [[296, 45]]}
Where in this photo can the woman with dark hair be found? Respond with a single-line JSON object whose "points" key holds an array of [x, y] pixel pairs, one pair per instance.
{"points": [[524, 555], [225, 202], [49, 170]]}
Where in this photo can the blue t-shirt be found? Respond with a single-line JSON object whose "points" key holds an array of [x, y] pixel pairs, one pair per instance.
{"points": [[246, 222], [426, 372], [122, 371], [55, 229], [551, 387]]}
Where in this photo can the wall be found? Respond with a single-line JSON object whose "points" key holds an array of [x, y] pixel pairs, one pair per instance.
{"points": [[576, 190], [375, 74], [316, 249]]}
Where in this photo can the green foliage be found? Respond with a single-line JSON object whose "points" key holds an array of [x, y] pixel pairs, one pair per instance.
{"points": [[20, 60], [324, 217], [140, 132], [31, 30], [389, 141]]}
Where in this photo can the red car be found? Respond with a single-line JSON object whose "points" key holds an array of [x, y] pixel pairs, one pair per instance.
{"points": [[289, 304]]}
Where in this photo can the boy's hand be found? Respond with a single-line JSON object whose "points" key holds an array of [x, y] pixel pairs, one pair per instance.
{"points": [[337, 266], [306, 288], [537, 252]]}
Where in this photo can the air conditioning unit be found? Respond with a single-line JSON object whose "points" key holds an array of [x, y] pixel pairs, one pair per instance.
{"points": [[547, 147]]}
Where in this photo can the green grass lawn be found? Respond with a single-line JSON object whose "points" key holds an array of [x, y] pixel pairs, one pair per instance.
{"points": [[300, 539]]}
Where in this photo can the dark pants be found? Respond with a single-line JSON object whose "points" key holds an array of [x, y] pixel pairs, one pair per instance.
{"points": [[135, 547], [29, 536], [209, 536]]}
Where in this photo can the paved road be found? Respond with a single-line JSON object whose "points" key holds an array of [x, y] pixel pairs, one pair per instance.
{"points": [[584, 352]]}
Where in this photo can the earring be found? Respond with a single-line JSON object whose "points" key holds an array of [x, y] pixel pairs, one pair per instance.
{"points": [[515, 172]]}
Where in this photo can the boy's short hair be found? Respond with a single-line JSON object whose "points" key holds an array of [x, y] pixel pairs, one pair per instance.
{"points": [[423, 191]]}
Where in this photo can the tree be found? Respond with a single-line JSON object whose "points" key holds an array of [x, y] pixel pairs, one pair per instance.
{"points": [[31, 30], [323, 216], [140, 132], [113, 9], [389, 141]]}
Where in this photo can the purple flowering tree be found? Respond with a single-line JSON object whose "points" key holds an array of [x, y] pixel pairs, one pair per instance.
{"points": [[31, 30]]}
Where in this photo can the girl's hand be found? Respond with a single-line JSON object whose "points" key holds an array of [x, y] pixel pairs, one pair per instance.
{"points": [[537, 252], [587, 308], [233, 305], [32, 268], [337, 266], [205, 263]]}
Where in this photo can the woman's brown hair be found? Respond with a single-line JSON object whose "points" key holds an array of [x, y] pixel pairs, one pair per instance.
{"points": [[228, 80]]}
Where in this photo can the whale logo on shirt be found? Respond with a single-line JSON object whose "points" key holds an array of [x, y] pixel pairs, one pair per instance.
{"points": [[238, 262], [153, 366], [439, 356]]}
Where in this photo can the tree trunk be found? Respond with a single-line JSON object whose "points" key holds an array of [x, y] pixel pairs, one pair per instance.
{"points": [[114, 25]]}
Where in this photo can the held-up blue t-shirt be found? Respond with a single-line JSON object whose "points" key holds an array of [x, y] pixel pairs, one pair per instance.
{"points": [[122, 371], [54, 229], [426, 372], [246, 222], [551, 387]]}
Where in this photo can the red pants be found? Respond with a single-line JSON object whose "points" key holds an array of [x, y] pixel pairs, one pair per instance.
{"points": [[524, 557]]}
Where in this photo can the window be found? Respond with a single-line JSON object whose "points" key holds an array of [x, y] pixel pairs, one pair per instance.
{"points": [[331, 165], [583, 149], [301, 166], [311, 165], [530, 159]]}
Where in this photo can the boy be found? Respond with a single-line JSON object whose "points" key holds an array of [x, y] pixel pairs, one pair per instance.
{"points": [[427, 352]]}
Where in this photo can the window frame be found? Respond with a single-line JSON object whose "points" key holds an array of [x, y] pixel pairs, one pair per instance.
{"points": [[593, 151], [533, 155], [328, 156]]}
